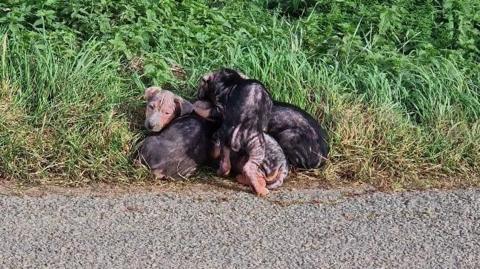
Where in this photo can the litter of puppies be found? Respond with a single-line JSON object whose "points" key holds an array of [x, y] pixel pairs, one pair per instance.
{"points": [[235, 124]]}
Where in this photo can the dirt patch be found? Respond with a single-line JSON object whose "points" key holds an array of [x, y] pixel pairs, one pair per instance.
{"points": [[212, 184], [297, 181]]}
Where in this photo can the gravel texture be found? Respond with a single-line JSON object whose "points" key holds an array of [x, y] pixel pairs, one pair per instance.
{"points": [[213, 229]]}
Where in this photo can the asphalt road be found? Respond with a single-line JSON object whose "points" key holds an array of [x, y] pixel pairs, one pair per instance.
{"points": [[228, 229]]}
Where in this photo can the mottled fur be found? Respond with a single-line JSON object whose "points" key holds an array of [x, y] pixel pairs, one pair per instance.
{"points": [[184, 140], [303, 140], [243, 106], [273, 168], [179, 149]]}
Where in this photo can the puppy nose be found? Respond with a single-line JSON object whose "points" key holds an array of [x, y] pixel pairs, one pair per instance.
{"points": [[149, 126]]}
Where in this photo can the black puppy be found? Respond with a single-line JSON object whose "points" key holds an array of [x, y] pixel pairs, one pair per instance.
{"points": [[244, 107], [303, 140], [182, 141]]}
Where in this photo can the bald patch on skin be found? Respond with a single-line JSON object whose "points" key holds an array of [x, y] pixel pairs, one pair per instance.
{"points": [[271, 170], [243, 106]]}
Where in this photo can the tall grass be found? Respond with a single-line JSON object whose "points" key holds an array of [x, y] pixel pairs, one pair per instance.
{"points": [[64, 118], [74, 115]]}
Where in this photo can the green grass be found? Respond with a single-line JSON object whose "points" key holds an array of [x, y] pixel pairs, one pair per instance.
{"points": [[64, 117], [402, 110]]}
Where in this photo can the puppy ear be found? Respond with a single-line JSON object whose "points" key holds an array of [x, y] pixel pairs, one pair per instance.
{"points": [[242, 75], [229, 76], [182, 106], [203, 85], [207, 77], [151, 92]]}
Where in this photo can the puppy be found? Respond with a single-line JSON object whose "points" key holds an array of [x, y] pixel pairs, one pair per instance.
{"points": [[182, 140], [303, 140], [273, 168], [244, 107]]}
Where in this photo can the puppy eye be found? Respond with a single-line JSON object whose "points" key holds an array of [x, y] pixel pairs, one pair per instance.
{"points": [[151, 106]]}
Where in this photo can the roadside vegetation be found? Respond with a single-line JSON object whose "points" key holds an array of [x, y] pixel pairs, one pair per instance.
{"points": [[396, 83]]}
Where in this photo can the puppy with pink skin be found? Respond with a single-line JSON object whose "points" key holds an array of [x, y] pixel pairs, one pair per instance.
{"points": [[180, 141], [243, 107], [163, 107]]}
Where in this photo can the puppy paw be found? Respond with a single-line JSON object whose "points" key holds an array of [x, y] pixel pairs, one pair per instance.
{"points": [[158, 174], [222, 172], [242, 180], [199, 104], [262, 192], [202, 108], [224, 168]]}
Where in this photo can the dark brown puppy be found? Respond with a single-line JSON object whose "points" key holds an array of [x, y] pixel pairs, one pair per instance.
{"points": [[182, 140], [303, 140], [244, 107]]}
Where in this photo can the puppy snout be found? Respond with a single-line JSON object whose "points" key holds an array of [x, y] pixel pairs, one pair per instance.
{"points": [[149, 126]]}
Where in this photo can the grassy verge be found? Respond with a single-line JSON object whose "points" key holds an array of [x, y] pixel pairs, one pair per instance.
{"points": [[71, 87]]}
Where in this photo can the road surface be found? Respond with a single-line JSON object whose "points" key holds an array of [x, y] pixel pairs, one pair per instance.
{"points": [[231, 229]]}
